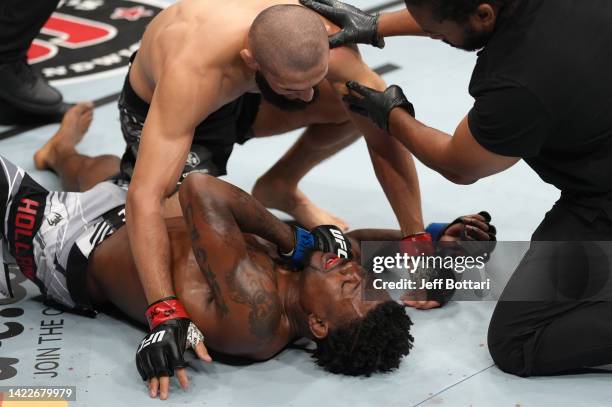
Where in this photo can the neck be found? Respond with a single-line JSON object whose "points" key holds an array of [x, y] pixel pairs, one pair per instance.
{"points": [[289, 292]]}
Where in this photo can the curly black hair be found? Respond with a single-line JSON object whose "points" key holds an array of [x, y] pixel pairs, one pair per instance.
{"points": [[457, 10], [375, 343]]}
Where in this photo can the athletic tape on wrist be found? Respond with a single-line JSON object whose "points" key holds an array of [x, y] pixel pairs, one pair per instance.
{"points": [[194, 336]]}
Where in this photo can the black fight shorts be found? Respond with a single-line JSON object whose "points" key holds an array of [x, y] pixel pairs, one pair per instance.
{"points": [[213, 140]]}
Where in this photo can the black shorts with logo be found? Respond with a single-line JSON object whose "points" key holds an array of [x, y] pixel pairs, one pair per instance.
{"points": [[213, 139]]}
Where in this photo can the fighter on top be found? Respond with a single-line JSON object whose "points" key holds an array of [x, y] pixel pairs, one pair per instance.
{"points": [[209, 74]]}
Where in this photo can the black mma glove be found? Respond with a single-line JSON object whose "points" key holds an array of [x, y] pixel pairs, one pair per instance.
{"points": [[471, 235], [358, 27], [330, 239], [480, 229], [326, 238], [376, 105], [474, 235], [161, 351]]}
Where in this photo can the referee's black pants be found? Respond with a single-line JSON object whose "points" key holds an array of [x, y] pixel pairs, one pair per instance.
{"points": [[555, 314], [20, 23]]}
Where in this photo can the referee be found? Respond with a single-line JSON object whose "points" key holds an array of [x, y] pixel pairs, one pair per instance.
{"points": [[21, 87], [543, 93]]}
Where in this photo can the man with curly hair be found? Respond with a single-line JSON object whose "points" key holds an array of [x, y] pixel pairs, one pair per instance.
{"points": [[253, 282]]}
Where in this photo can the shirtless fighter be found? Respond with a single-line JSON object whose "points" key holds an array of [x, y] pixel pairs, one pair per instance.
{"points": [[210, 73], [236, 286]]}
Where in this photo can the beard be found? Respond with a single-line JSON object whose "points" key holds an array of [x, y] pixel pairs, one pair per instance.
{"points": [[281, 101], [473, 40]]}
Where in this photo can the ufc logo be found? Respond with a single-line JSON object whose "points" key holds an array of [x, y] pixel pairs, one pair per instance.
{"points": [[151, 339], [68, 32], [339, 238]]}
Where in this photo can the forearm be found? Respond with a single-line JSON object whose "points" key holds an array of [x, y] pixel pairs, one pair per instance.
{"points": [[248, 214], [398, 23], [395, 170], [150, 247], [393, 164], [432, 147]]}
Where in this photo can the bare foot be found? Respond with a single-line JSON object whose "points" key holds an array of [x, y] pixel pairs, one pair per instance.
{"points": [[276, 194], [74, 125]]}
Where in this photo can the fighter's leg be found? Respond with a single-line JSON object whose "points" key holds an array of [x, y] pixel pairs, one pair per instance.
{"points": [[328, 131], [77, 172]]}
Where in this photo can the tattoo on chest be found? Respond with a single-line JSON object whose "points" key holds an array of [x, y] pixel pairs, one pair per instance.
{"points": [[251, 286]]}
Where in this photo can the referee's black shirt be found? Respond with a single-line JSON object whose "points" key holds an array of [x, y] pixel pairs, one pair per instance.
{"points": [[543, 90]]}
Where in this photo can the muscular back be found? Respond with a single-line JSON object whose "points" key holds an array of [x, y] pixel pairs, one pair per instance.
{"points": [[201, 35], [248, 324]]}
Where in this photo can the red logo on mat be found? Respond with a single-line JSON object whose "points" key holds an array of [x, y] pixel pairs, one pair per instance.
{"points": [[79, 41], [131, 13], [69, 32]]}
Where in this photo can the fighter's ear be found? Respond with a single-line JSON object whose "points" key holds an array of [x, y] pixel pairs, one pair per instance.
{"points": [[318, 326], [249, 59]]}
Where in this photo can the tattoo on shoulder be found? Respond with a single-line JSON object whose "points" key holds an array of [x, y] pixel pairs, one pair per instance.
{"points": [[252, 287]]}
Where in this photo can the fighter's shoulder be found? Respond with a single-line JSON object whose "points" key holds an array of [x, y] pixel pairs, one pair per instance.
{"points": [[343, 63]]}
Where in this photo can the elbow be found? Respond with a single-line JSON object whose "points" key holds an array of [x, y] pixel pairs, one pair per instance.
{"points": [[467, 181], [142, 202], [461, 179], [195, 183]]}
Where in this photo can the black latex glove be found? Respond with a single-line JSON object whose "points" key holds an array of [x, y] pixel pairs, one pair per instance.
{"points": [[357, 26], [376, 105]]}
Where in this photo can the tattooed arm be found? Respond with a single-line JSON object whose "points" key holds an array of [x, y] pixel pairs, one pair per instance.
{"points": [[243, 286]]}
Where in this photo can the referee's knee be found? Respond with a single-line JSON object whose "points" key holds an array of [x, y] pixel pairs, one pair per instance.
{"points": [[506, 347]]}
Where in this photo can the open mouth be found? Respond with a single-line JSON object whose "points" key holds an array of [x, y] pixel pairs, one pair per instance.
{"points": [[330, 261]]}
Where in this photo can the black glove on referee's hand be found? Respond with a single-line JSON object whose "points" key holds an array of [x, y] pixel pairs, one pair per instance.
{"points": [[358, 27], [376, 105]]}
